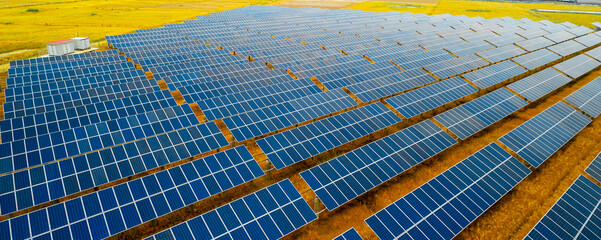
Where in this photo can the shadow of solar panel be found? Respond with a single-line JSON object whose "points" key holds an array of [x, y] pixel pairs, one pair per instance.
{"points": [[52, 181], [350, 234], [421, 100], [539, 84], [292, 146], [269, 213], [346, 177], [573, 216], [124, 206], [445, 205], [587, 98], [540, 137], [473, 116]]}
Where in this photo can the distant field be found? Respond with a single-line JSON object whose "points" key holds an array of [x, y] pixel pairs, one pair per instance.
{"points": [[29, 26], [488, 9]]}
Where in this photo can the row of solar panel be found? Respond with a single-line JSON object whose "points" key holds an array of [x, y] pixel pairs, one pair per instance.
{"points": [[121, 207], [33, 186]]}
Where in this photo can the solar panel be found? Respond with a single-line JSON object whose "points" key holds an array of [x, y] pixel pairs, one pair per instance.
{"points": [[473, 116], [536, 59], [560, 36], [587, 98], [577, 66], [501, 53], [265, 120], [534, 43], [269, 213], [574, 216], [595, 53], [455, 66], [589, 40], [494, 74], [378, 88], [346, 177], [445, 205], [292, 146], [129, 204], [540, 137], [350, 234], [539, 84], [54, 180], [421, 100], [594, 169], [567, 48]]}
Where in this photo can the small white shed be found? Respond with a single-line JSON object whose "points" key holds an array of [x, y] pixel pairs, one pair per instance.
{"points": [[81, 43], [60, 47]]}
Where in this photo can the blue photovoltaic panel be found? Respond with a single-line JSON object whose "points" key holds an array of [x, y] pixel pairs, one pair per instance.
{"points": [[589, 40], [501, 53], [346, 177], [587, 98], [540, 137], [473, 116], [132, 203], [376, 88], [269, 213], [539, 84], [452, 67], [292, 146], [594, 169], [536, 59], [574, 216], [49, 147], [494, 74], [567, 48], [560, 36], [445, 205], [421, 100], [265, 120], [535, 43], [52, 181], [350, 234], [577, 66], [595, 53]]}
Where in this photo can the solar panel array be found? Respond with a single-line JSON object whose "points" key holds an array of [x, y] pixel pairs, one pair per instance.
{"points": [[145, 129], [445, 205], [540, 137], [346, 177], [473, 116], [539, 84], [269, 213], [574, 216]]}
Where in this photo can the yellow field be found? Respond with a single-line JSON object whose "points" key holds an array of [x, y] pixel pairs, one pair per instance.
{"points": [[489, 10], [22, 28]]}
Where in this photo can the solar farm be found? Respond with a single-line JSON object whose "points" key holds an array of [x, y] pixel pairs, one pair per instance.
{"points": [[269, 122]]}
